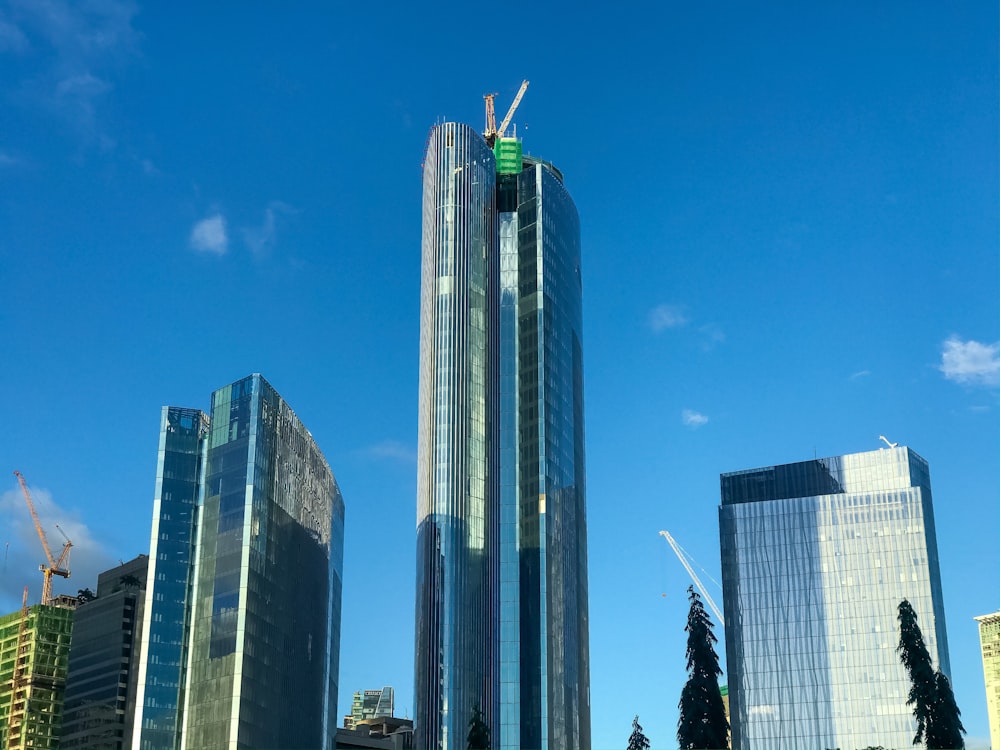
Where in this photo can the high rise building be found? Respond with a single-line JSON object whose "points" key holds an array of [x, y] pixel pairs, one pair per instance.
{"points": [[246, 575], [99, 703], [816, 557], [989, 639], [502, 620], [370, 704], [34, 657], [163, 661]]}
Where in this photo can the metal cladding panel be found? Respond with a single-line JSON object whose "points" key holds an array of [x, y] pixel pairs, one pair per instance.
{"points": [[457, 456]]}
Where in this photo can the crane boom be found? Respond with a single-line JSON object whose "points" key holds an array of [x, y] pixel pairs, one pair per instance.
{"points": [[55, 567], [694, 576], [510, 112]]}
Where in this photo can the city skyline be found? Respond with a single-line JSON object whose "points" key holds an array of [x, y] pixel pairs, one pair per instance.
{"points": [[788, 222]]}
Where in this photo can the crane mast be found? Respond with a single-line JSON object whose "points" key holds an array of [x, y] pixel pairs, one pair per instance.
{"points": [[493, 132], [694, 576], [55, 567]]}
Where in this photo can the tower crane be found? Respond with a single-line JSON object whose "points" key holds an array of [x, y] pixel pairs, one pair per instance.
{"points": [[682, 556], [492, 131], [56, 567]]}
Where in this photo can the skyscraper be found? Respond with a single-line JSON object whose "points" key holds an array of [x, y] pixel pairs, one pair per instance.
{"points": [[370, 704], [34, 657], [989, 640], [99, 704], [248, 538], [502, 621], [816, 557], [166, 626]]}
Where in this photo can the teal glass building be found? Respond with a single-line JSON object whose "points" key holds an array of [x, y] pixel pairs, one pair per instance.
{"points": [[502, 619], [816, 557], [259, 623]]}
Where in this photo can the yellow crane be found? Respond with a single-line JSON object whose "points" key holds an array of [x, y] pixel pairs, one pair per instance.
{"points": [[492, 131], [55, 567]]}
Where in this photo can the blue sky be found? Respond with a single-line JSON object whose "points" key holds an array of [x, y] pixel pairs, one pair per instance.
{"points": [[789, 219]]}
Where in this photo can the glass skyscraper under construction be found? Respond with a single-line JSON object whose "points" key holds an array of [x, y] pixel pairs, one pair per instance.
{"points": [[502, 621], [816, 557]]}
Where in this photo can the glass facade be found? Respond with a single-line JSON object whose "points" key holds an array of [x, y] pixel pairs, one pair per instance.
{"points": [[99, 705], [457, 455], [265, 631], [502, 618], [816, 557], [163, 643]]}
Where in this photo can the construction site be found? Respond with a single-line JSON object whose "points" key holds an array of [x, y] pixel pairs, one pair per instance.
{"points": [[34, 655]]}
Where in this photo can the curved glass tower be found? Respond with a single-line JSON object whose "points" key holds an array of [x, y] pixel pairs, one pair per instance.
{"points": [[457, 456], [502, 618]]}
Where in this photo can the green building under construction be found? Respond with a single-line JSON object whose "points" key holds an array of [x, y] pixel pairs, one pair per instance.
{"points": [[34, 656]]}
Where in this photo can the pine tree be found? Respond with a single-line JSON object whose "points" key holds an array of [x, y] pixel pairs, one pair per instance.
{"points": [[913, 653], [479, 733], [637, 741], [702, 724], [945, 730], [933, 702]]}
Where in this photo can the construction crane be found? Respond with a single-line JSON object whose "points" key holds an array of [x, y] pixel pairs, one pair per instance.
{"points": [[58, 567], [18, 699], [683, 557], [492, 131], [885, 440]]}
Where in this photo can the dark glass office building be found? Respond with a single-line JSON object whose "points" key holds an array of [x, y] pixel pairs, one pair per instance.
{"points": [[502, 619], [99, 703], [816, 557], [253, 644]]}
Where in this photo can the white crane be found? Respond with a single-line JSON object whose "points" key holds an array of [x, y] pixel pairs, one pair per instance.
{"points": [[682, 556], [885, 440]]}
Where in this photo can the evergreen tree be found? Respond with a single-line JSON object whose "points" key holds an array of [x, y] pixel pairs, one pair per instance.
{"points": [[479, 733], [945, 730], [915, 657], [637, 741], [934, 707], [702, 724]]}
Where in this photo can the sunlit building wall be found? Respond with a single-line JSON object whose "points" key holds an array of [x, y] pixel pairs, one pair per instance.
{"points": [[502, 619], [816, 557], [989, 639], [265, 632]]}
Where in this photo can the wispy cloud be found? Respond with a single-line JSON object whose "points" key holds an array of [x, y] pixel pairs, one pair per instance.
{"points": [[72, 51], [209, 235], [392, 450], [860, 374], [12, 39], [693, 419], [970, 362], [712, 336], [22, 550], [663, 317], [261, 239]]}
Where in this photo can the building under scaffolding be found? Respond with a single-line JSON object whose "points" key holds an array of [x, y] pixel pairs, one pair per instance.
{"points": [[34, 656]]}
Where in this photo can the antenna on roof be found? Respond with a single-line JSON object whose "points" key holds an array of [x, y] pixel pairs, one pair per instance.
{"points": [[885, 440]]}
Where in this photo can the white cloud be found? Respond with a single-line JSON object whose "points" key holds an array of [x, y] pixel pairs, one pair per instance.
{"points": [[209, 235], [393, 450], [260, 239], [693, 419], [663, 317], [971, 362], [23, 552], [860, 374]]}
